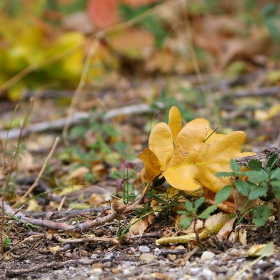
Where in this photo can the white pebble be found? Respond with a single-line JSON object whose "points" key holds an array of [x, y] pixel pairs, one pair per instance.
{"points": [[144, 249], [208, 274], [207, 255], [157, 251], [96, 271]]}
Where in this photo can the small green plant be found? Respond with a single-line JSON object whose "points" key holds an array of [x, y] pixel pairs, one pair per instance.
{"points": [[98, 141], [125, 179], [191, 212], [256, 183], [7, 243]]}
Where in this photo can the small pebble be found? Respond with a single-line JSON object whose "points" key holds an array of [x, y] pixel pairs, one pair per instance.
{"points": [[97, 265], [171, 257], [208, 274], [127, 263], [157, 251], [115, 270], [68, 255], [144, 249], [207, 255], [147, 257], [109, 256], [194, 270], [96, 271]]}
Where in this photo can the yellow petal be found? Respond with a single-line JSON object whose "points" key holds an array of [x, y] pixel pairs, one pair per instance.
{"points": [[175, 122], [161, 143]]}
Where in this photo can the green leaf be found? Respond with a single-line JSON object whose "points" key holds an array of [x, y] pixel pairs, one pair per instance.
{"points": [[223, 194], [258, 176], [224, 174], [243, 187], [261, 214], [198, 202], [257, 191], [79, 130], [206, 213], [255, 164], [189, 206], [186, 222], [276, 187], [275, 174], [272, 160], [234, 165]]}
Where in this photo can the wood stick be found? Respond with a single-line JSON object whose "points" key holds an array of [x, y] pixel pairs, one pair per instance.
{"points": [[78, 118]]}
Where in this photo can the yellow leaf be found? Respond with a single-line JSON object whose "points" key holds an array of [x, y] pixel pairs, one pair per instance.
{"points": [[175, 121], [197, 160], [152, 165], [161, 143], [33, 206], [189, 141], [179, 179], [273, 111], [189, 157]]}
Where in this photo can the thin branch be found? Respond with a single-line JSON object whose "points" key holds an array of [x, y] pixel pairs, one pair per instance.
{"points": [[79, 118], [58, 238]]}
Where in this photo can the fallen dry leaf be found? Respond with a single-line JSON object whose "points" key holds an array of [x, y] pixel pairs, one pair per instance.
{"points": [[189, 157], [242, 234], [139, 227], [226, 229]]}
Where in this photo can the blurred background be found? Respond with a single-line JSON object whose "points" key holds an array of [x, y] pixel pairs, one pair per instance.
{"points": [[217, 59]]}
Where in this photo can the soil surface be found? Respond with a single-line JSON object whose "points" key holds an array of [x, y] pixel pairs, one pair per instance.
{"points": [[42, 253], [137, 257]]}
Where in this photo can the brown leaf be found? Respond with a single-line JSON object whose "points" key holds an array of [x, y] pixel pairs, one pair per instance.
{"points": [[139, 227]]}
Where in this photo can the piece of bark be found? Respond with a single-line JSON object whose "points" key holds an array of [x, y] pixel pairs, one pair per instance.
{"points": [[262, 157]]}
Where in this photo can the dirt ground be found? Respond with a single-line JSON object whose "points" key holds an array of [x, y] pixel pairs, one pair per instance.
{"points": [[138, 257], [50, 254]]}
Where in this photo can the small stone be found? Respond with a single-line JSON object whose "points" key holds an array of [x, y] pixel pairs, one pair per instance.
{"points": [[68, 255], [207, 255], [208, 274], [84, 253], [157, 251], [96, 271], [194, 270], [109, 256], [97, 265], [147, 257], [115, 270], [171, 257], [144, 249], [127, 263]]}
